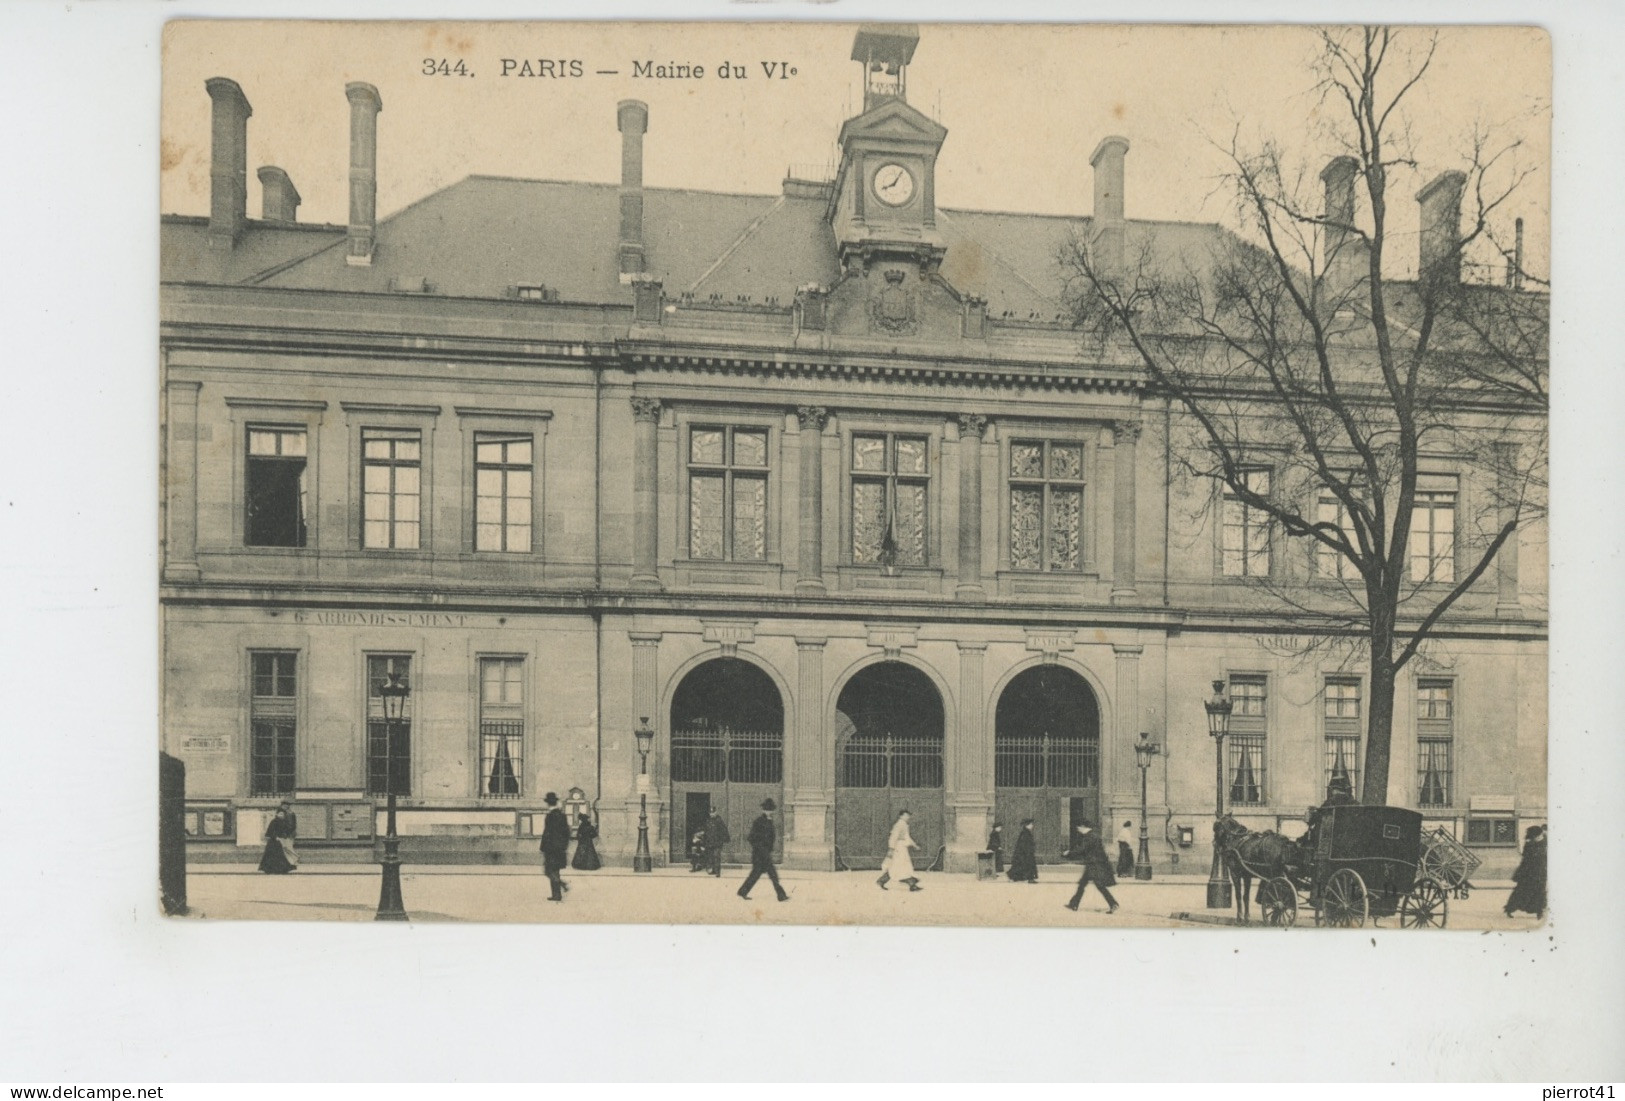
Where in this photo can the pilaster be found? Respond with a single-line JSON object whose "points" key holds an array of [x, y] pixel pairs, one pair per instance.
{"points": [[180, 483], [645, 490], [810, 572], [808, 829], [971, 427], [1124, 513]]}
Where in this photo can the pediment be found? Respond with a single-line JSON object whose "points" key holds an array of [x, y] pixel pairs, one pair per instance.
{"points": [[894, 121]]}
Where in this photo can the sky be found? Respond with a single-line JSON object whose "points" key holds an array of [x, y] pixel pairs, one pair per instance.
{"points": [[1024, 105]]}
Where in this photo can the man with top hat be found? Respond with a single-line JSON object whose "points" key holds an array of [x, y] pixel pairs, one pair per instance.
{"points": [[761, 852], [555, 846], [1339, 793], [1097, 867]]}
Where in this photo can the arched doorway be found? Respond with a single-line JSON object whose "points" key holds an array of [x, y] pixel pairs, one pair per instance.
{"points": [[1046, 757], [888, 746], [727, 752]]}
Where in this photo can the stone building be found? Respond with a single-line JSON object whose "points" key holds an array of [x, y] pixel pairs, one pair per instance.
{"points": [[820, 485]]}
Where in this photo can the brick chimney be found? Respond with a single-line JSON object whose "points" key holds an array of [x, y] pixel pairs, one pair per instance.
{"points": [[1106, 241], [632, 119], [364, 107], [228, 161], [280, 199], [1347, 259], [1440, 256]]}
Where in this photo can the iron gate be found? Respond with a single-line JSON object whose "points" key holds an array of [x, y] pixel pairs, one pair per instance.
{"points": [[732, 771]]}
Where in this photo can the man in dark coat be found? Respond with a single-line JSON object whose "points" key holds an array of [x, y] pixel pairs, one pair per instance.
{"points": [[1097, 868], [555, 846], [716, 836], [761, 852], [1024, 862], [1529, 895], [1339, 793]]}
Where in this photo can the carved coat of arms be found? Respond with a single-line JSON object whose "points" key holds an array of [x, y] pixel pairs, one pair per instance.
{"points": [[892, 309]]}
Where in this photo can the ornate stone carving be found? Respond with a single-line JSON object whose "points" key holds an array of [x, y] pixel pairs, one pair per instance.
{"points": [[972, 424], [1127, 431], [893, 309], [646, 409], [812, 417]]}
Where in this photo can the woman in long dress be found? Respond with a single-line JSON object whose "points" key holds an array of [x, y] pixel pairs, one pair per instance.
{"points": [[1024, 863], [586, 857], [1529, 896], [279, 857], [899, 865]]}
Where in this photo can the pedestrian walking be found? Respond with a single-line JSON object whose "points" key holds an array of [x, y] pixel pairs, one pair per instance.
{"points": [[279, 857], [995, 845], [1024, 863], [555, 846], [586, 858], [716, 836], [1529, 896], [899, 864], [761, 852], [1097, 868], [1125, 849]]}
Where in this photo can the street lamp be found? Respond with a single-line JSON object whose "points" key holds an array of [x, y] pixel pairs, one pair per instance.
{"points": [[394, 692], [1218, 724], [641, 860], [1143, 752]]}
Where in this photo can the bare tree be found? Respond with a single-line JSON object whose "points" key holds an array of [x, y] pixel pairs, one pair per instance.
{"points": [[1315, 391]]}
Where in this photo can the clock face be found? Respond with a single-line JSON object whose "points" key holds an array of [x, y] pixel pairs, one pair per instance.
{"points": [[893, 184]]}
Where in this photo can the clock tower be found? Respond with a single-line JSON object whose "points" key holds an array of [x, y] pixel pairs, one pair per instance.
{"points": [[883, 205]]}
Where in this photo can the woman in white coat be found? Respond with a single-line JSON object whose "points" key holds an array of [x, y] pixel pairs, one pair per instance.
{"points": [[898, 864]]}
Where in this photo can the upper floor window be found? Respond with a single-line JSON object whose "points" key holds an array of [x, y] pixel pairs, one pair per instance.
{"points": [[1433, 528], [890, 479], [1435, 741], [727, 494], [1328, 561], [1248, 739], [1046, 506], [391, 475], [1246, 547], [1342, 714], [502, 491], [274, 491], [273, 722]]}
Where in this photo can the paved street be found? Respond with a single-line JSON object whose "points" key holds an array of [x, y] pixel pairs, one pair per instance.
{"points": [[676, 896]]}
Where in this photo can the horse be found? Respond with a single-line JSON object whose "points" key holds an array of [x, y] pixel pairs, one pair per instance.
{"points": [[1248, 854]]}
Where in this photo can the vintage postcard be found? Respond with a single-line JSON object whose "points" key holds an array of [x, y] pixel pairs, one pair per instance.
{"points": [[892, 474]]}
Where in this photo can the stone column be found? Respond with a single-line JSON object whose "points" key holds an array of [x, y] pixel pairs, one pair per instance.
{"points": [[809, 760], [180, 484], [645, 490], [646, 704], [970, 787], [1121, 783], [810, 575], [971, 427], [1123, 511], [1508, 603]]}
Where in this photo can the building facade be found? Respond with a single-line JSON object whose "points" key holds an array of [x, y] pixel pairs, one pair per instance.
{"points": [[822, 487]]}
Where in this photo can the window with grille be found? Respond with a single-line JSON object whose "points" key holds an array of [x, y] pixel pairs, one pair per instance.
{"points": [[1246, 745], [502, 491], [273, 722], [1046, 505], [1435, 742], [1433, 528], [1342, 714], [890, 479], [502, 725], [727, 494], [391, 473], [274, 487], [389, 744], [1246, 537]]}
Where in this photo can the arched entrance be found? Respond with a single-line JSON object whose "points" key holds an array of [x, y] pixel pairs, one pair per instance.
{"points": [[1046, 757], [727, 752], [888, 745]]}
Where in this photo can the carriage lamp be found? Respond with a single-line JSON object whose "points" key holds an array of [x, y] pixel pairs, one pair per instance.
{"points": [[1144, 750], [642, 861], [393, 692], [1218, 725]]}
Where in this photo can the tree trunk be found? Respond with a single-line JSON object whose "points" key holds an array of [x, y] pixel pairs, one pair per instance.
{"points": [[1379, 724]]}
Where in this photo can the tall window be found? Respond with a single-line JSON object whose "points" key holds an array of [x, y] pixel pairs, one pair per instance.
{"points": [[1433, 528], [1046, 506], [390, 488], [502, 480], [502, 725], [1247, 740], [1246, 549], [273, 723], [1328, 562], [889, 483], [1435, 738], [727, 494], [274, 492], [1342, 708], [389, 744]]}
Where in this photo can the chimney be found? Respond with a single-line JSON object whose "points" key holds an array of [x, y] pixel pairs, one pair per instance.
{"points": [[632, 120], [1347, 260], [1441, 230], [1515, 265], [280, 198], [228, 162], [364, 108], [1106, 244]]}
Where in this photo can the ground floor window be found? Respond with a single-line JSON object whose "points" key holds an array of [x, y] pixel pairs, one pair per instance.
{"points": [[389, 741]]}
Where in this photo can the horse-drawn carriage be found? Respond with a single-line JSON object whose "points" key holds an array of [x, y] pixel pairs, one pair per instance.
{"points": [[1360, 862]]}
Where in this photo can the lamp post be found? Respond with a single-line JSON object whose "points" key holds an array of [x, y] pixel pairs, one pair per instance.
{"points": [[393, 692], [642, 861], [1218, 724], [1143, 752]]}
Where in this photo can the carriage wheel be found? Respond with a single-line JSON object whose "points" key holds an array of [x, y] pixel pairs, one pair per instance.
{"points": [[1444, 865], [1344, 903], [1278, 902], [1426, 907]]}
